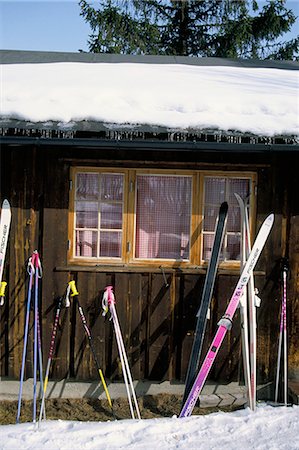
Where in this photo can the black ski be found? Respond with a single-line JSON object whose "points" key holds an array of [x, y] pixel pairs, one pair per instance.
{"points": [[193, 366]]}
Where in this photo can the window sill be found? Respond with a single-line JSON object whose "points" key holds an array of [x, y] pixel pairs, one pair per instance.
{"points": [[196, 270]]}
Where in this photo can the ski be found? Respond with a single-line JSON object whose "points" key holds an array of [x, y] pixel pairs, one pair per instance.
{"points": [[225, 323], [206, 300], [254, 302], [244, 303], [4, 232]]}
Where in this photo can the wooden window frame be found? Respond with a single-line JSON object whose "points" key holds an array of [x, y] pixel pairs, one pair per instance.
{"points": [[129, 217], [252, 176]]}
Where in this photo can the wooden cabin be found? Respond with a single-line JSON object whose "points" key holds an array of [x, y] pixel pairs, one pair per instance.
{"points": [[133, 204]]}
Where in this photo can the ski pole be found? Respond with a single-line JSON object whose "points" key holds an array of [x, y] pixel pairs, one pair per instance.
{"points": [[279, 355], [36, 347], [283, 337], [285, 269], [75, 293], [109, 301], [30, 270], [39, 345], [120, 352], [52, 345]]}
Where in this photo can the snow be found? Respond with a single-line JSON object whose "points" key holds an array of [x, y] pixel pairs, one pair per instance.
{"points": [[268, 428], [262, 101]]}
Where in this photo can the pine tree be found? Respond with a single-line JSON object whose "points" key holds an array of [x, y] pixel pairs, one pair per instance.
{"points": [[223, 28]]}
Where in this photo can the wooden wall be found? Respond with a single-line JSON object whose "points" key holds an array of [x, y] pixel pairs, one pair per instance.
{"points": [[157, 320]]}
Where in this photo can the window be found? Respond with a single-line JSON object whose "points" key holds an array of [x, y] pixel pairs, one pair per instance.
{"points": [[163, 217], [153, 217], [98, 215], [217, 190]]}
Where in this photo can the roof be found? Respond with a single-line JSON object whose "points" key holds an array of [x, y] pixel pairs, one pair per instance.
{"points": [[39, 57], [100, 93]]}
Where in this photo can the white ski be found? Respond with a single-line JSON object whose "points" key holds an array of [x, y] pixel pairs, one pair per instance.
{"points": [[253, 301], [244, 304], [4, 232]]}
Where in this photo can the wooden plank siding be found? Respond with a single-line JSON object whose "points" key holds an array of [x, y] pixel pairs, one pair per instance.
{"points": [[157, 318]]}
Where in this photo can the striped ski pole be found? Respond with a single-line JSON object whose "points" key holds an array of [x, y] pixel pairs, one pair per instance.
{"points": [[52, 346], [283, 336], [109, 303], [225, 323], [75, 293], [30, 270], [285, 359]]}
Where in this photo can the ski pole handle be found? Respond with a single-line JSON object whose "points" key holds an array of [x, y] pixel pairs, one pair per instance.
{"points": [[2, 288], [72, 285], [108, 299], [3, 285]]}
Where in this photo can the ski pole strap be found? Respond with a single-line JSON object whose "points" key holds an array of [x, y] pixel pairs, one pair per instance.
{"points": [[30, 266], [35, 261], [73, 289], [67, 296], [108, 299]]}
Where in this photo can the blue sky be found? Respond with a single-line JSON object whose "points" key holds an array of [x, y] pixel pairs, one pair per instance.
{"points": [[54, 25]]}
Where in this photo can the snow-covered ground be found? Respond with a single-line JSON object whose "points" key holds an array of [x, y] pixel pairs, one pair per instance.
{"points": [[269, 428], [257, 100]]}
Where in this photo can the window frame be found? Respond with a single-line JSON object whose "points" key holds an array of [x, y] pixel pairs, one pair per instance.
{"points": [[230, 264], [128, 258]]}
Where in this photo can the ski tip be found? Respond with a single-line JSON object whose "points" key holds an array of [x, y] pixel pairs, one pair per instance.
{"points": [[238, 197], [223, 207], [270, 219], [5, 204]]}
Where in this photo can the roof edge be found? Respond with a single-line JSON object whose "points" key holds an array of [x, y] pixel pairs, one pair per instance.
{"points": [[39, 57]]}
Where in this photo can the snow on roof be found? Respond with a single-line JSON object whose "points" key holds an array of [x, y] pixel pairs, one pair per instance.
{"points": [[258, 100]]}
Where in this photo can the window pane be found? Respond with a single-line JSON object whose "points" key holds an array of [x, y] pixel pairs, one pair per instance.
{"points": [[111, 215], [217, 190], [210, 216], [208, 240], [233, 247], [111, 186], [163, 215], [110, 244], [87, 186], [239, 186], [233, 219], [86, 243], [214, 190], [86, 215]]}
